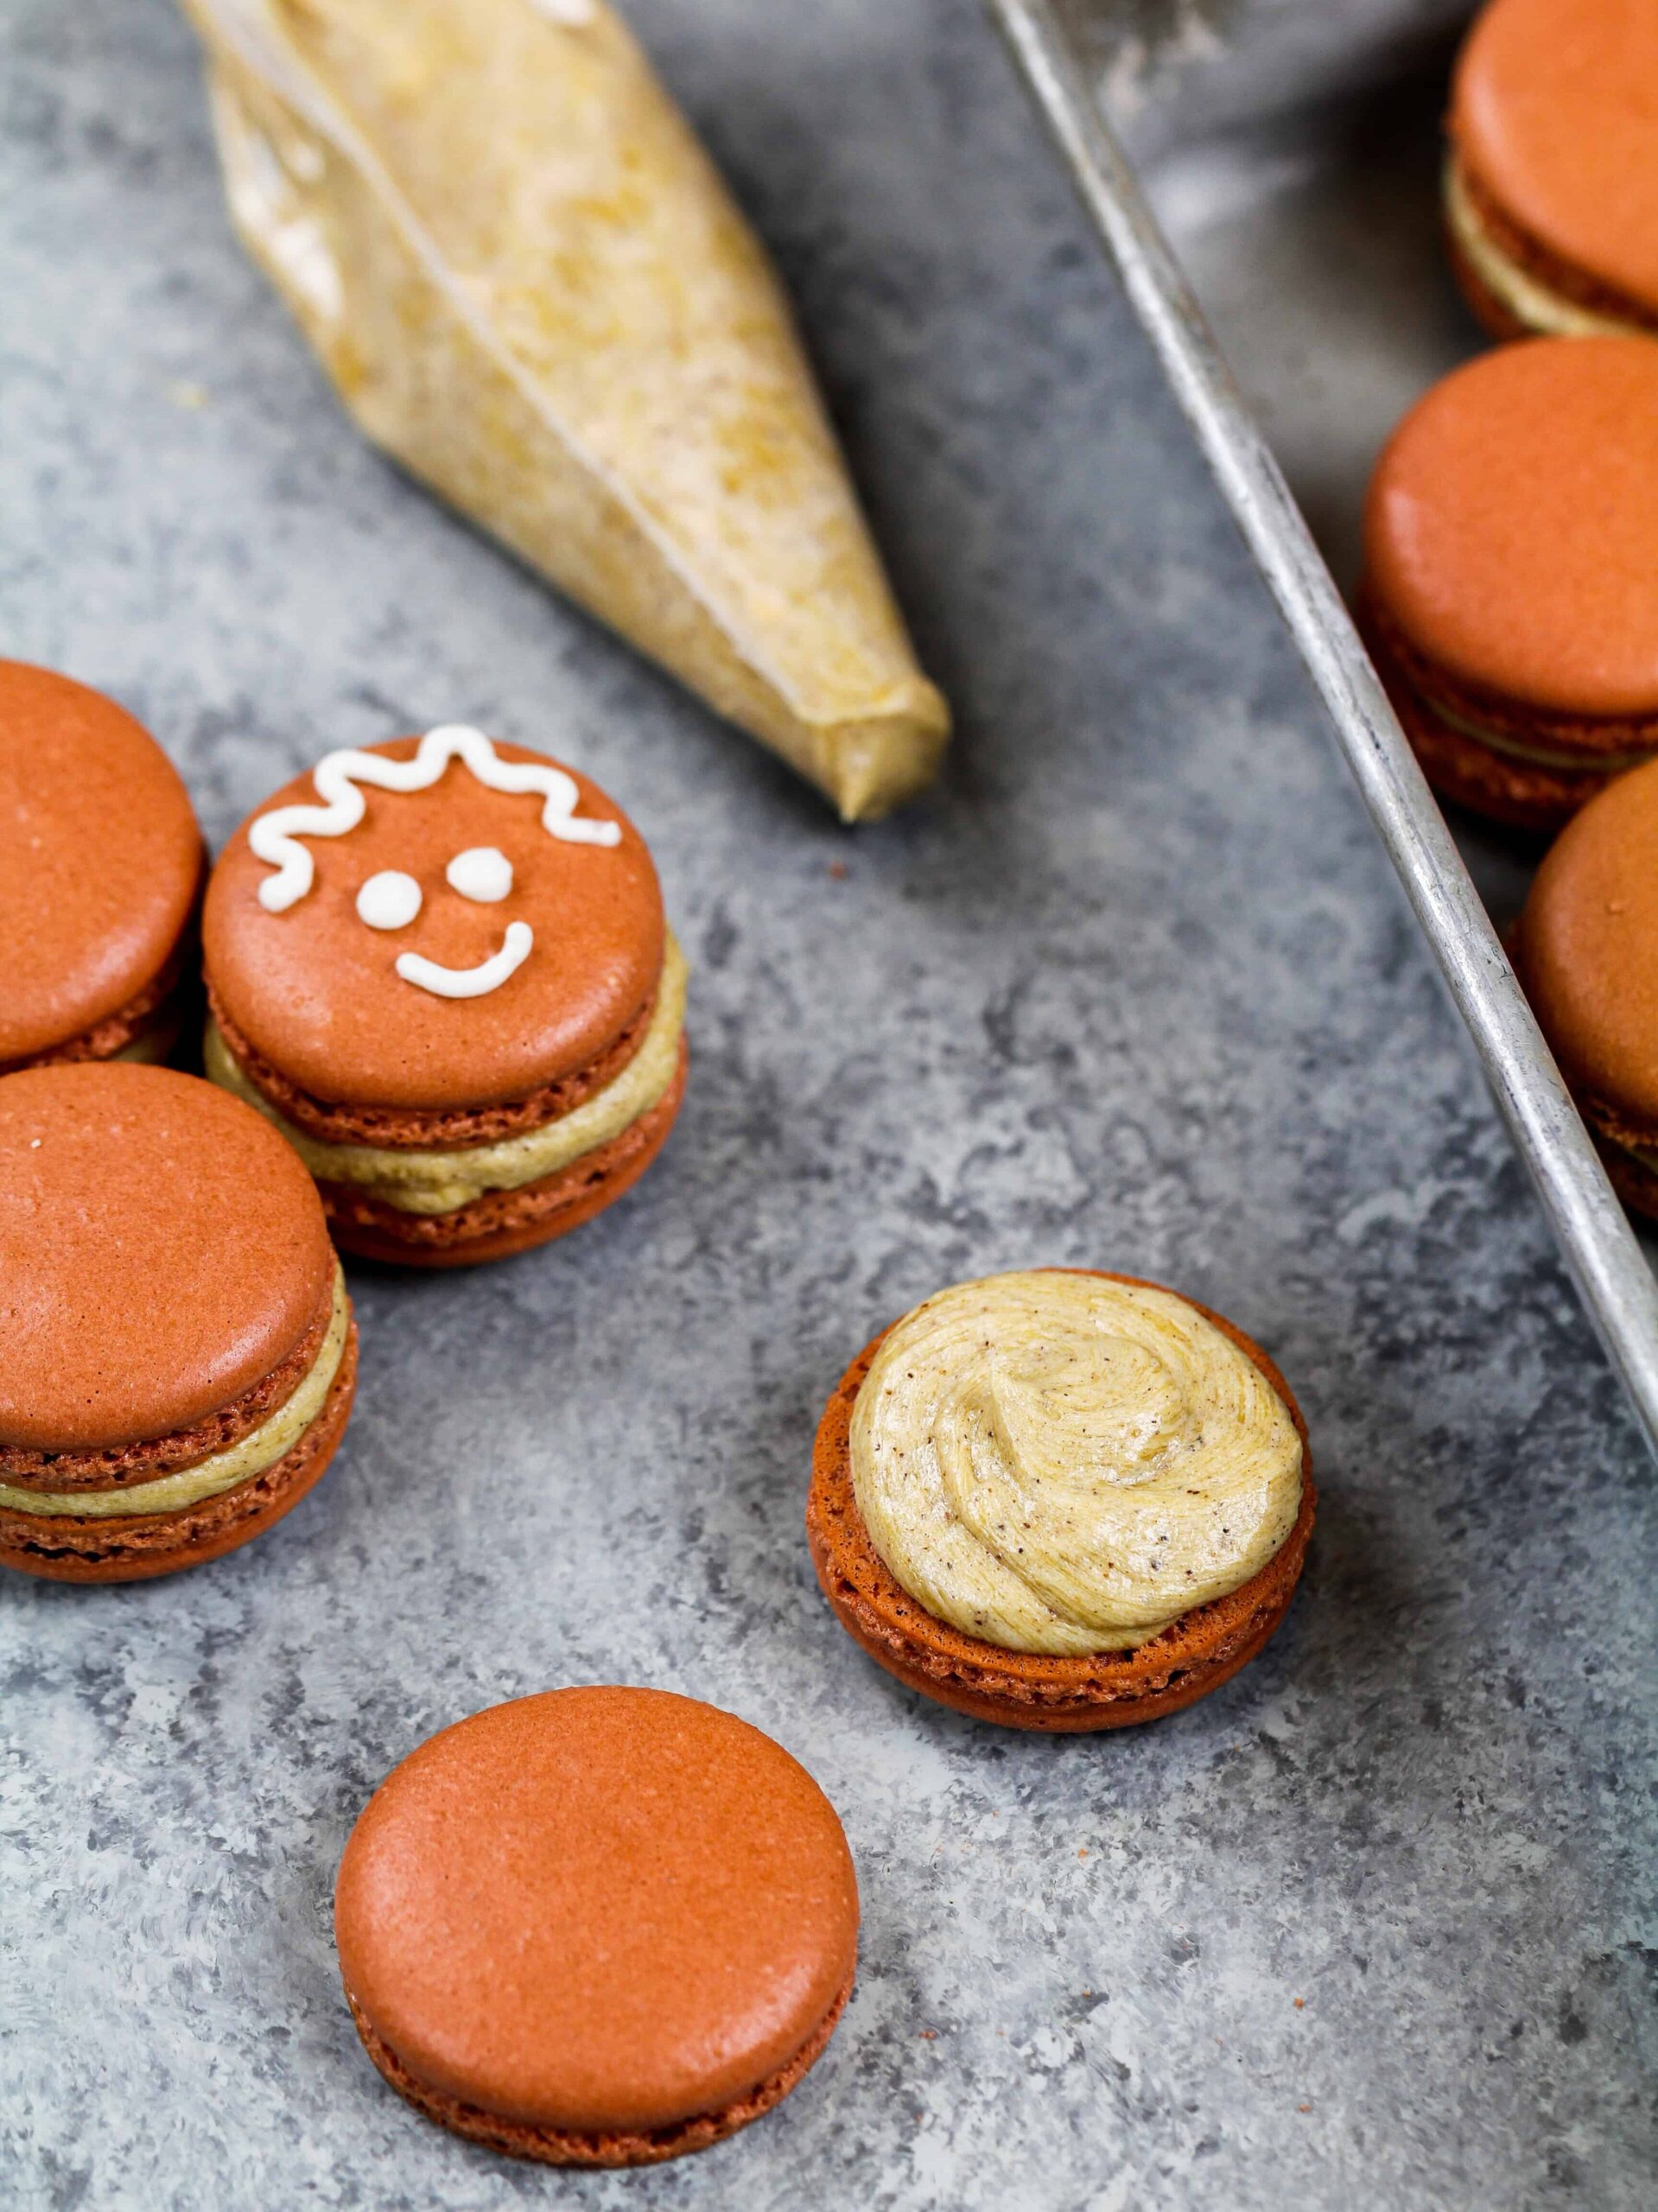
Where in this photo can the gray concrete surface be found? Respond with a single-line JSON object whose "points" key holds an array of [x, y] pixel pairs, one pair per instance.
{"points": [[1371, 1926]]}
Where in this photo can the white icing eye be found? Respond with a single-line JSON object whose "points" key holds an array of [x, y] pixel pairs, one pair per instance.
{"points": [[480, 873], [389, 900]]}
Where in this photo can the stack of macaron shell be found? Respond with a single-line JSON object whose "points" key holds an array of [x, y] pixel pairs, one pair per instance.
{"points": [[177, 1352], [598, 1927], [1552, 185], [102, 862], [1510, 589], [440, 966], [1061, 1500], [1586, 952]]}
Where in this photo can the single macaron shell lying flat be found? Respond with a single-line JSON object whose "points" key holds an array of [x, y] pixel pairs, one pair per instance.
{"points": [[101, 862], [1553, 189], [1511, 590], [1170, 1667], [169, 1308], [1586, 950], [597, 1926], [441, 966]]}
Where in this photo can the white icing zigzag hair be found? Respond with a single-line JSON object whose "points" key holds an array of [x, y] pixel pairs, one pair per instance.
{"points": [[273, 836]]}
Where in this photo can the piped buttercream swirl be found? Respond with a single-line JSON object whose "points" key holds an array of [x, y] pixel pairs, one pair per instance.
{"points": [[1065, 1464]]}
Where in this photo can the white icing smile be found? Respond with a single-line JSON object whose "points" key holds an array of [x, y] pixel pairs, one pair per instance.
{"points": [[390, 899], [469, 982]]}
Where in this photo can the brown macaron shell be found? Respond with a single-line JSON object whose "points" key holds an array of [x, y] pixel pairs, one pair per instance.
{"points": [[597, 1926], [138, 1546], [1034, 1690], [1511, 574], [119, 1466], [100, 863], [1553, 126], [166, 1284], [314, 991], [1511, 533], [162, 1251], [501, 1223], [1586, 950]]}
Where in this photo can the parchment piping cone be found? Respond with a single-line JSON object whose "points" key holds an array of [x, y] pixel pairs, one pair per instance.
{"points": [[529, 286]]}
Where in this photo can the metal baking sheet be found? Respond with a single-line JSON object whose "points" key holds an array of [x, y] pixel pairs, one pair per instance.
{"points": [[1290, 194], [1135, 988]]}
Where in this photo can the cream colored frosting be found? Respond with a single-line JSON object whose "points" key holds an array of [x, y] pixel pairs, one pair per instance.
{"points": [[438, 1182], [1060, 1464], [1539, 756], [261, 1448], [1538, 307]]}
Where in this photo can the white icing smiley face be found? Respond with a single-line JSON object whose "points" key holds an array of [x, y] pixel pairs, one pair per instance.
{"points": [[390, 899]]}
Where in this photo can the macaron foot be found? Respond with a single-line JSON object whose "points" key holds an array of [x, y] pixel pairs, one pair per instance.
{"points": [[139, 1547], [505, 1221], [554, 2146]]}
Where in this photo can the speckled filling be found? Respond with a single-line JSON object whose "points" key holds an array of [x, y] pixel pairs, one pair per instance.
{"points": [[1063, 1463]]}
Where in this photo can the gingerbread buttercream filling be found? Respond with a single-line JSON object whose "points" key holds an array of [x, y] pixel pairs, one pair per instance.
{"points": [[271, 1438], [1064, 1464], [405, 1128], [1533, 283], [120, 1465], [1536, 756], [437, 1181]]}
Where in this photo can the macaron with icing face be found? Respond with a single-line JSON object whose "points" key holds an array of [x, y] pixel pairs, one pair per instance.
{"points": [[1586, 950], [177, 1352], [1552, 185], [440, 966], [1061, 1500], [598, 1927], [1510, 591], [101, 864]]}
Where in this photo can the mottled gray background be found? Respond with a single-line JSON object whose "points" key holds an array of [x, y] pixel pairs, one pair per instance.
{"points": [[1136, 989]]}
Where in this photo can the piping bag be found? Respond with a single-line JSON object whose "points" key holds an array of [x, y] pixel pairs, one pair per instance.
{"points": [[529, 286]]}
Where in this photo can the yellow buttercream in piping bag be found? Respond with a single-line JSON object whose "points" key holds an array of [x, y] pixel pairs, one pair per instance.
{"points": [[528, 284]]}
